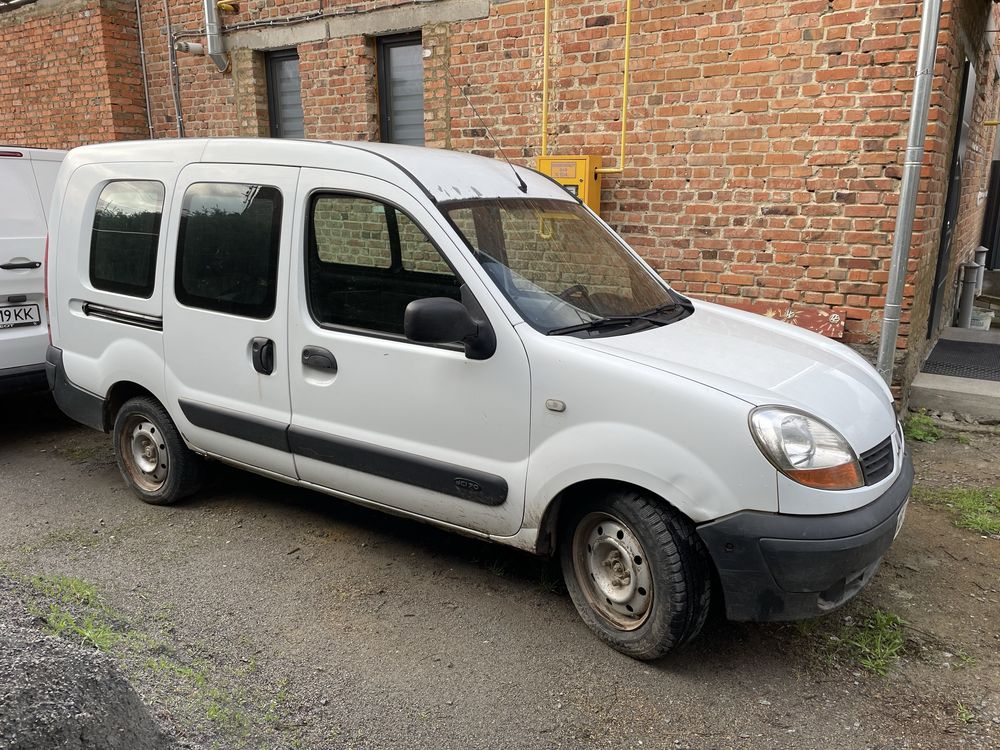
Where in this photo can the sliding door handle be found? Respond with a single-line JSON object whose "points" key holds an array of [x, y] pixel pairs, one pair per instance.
{"points": [[262, 353], [30, 264]]}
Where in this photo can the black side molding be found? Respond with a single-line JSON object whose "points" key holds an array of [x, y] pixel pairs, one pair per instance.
{"points": [[437, 476], [83, 406], [253, 429], [118, 315]]}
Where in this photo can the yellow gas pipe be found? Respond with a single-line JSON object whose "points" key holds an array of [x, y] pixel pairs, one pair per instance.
{"points": [[545, 87]]}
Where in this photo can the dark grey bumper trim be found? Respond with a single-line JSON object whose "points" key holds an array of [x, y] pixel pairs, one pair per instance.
{"points": [[774, 566], [76, 403]]}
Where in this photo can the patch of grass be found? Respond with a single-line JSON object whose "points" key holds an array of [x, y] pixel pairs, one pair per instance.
{"points": [[67, 589], [963, 439], [83, 453], [963, 714], [922, 428], [975, 508], [89, 629], [876, 641], [873, 641]]}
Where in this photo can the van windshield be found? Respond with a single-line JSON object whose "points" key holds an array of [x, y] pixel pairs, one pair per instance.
{"points": [[562, 270]]}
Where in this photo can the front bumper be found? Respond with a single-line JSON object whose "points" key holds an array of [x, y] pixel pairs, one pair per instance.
{"points": [[783, 567]]}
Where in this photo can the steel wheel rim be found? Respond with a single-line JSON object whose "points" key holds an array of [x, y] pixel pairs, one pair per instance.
{"points": [[612, 570], [144, 453]]}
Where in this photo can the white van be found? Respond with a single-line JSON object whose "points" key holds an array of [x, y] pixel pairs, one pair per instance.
{"points": [[460, 341], [27, 176]]}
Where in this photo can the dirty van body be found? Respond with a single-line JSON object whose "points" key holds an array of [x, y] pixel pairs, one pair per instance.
{"points": [[27, 176], [460, 341]]}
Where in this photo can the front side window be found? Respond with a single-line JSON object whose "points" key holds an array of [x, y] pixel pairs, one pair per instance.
{"points": [[562, 270], [367, 261], [227, 251], [125, 236]]}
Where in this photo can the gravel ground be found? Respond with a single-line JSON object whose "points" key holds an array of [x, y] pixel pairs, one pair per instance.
{"points": [[259, 615]]}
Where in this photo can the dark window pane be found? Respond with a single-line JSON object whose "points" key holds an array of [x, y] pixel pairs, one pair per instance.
{"points": [[285, 95], [367, 261], [126, 233], [401, 84], [227, 254]]}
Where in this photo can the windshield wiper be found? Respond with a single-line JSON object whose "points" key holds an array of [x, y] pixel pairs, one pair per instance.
{"points": [[593, 325], [608, 320]]}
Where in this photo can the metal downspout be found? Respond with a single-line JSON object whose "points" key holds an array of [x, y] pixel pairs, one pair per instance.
{"points": [[213, 38], [142, 61], [174, 73], [926, 54]]}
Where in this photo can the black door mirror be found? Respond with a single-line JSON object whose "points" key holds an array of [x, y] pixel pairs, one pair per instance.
{"points": [[442, 320]]}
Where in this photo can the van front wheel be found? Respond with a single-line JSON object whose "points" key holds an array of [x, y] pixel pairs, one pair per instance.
{"points": [[151, 455], [636, 571]]}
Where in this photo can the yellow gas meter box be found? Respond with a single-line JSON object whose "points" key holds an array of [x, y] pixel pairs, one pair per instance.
{"points": [[578, 174]]}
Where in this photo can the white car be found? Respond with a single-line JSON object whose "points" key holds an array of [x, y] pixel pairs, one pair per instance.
{"points": [[27, 176], [460, 341]]}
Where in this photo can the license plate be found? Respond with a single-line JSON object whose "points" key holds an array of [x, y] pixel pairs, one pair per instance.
{"points": [[900, 517], [13, 316]]}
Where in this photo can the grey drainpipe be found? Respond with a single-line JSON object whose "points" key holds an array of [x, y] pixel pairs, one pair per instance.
{"points": [[142, 60], [213, 38], [926, 54], [174, 73]]}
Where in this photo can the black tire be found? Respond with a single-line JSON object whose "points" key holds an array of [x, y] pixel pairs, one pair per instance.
{"points": [[151, 454], [672, 568]]}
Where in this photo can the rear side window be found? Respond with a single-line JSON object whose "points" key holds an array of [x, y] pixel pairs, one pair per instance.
{"points": [[227, 252], [125, 236]]}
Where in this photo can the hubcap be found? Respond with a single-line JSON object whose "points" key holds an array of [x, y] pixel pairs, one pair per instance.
{"points": [[145, 453], [612, 570]]}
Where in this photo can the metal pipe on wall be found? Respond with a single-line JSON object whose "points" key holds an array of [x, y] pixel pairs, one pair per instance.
{"points": [[545, 86], [175, 85], [628, 52], [213, 37], [926, 54], [142, 61], [545, 79]]}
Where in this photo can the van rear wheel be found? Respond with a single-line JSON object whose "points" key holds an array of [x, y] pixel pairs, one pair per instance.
{"points": [[636, 571], [151, 455]]}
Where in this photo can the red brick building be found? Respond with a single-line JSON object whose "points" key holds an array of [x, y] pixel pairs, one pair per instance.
{"points": [[764, 140]]}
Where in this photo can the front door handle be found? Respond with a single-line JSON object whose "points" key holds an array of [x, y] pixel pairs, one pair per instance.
{"points": [[262, 353], [20, 266], [318, 357]]}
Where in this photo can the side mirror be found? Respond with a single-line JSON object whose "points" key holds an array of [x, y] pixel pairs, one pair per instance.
{"points": [[442, 320]]}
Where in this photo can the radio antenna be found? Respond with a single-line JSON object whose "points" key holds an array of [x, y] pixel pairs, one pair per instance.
{"points": [[522, 186]]}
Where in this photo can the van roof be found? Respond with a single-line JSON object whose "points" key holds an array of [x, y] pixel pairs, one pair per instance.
{"points": [[444, 175]]}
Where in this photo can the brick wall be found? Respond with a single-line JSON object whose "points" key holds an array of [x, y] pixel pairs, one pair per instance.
{"points": [[70, 74], [765, 140]]}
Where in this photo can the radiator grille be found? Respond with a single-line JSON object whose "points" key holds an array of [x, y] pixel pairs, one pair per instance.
{"points": [[876, 464]]}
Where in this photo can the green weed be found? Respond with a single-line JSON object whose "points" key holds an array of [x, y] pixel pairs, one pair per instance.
{"points": [[974, 508], [963, 714], [922, 428]]}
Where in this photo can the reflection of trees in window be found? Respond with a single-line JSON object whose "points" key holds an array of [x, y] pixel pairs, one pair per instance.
{"points": [[227, 254], [125, 235]]}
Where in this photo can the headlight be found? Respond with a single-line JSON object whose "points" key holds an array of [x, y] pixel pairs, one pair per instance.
{"points": [[805, 448]]}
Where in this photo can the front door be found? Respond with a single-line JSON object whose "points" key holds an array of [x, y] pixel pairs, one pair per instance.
{"points": [[418, 428], [224, 312]]}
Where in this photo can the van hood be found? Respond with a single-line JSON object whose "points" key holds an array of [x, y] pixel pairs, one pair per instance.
{"points": [[763, 361]]}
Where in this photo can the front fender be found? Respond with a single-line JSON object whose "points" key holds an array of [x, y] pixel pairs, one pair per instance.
{"points": [[701, 485]]}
